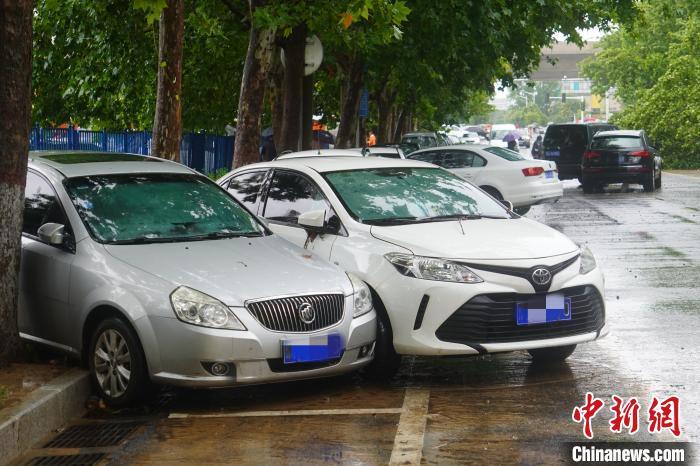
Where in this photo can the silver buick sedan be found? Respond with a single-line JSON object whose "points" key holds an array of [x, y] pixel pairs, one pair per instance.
{"points": [[150, 272]]}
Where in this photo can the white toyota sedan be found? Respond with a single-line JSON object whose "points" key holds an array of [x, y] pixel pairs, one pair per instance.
{"points": [[450, 269], [502, 173]]}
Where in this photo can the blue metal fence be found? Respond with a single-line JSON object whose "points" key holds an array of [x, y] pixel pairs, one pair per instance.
{"points": [[201, 151]]}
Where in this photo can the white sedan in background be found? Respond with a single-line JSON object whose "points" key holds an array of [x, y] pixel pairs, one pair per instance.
{"points": [[502, 173], [450, 269]]}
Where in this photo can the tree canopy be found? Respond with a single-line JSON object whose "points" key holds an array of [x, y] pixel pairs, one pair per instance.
{"points": [[653, 66]]}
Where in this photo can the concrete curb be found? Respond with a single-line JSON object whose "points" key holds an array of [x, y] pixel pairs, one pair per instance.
{"points": [[47, 408]]}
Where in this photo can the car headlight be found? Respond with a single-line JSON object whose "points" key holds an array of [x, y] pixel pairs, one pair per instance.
{"points": [[196, 308], [587, 260], [361, 298], [430, 268]]}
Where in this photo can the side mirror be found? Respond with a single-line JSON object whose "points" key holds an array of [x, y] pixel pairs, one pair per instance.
{"points": [[508, 204], [51, 233], [313, 220]]}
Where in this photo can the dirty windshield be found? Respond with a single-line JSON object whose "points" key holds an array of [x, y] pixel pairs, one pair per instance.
{"points": [[149, 208], [385, 196]]}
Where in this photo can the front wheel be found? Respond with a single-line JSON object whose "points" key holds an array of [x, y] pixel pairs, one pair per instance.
{"points": [[386, 361], [117, 364], [551, 354]]}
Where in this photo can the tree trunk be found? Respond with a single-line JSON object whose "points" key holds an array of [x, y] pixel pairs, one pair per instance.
{"points": [[167, 124], [276, 89], [294, 48], [350, 105], [252, 96], [385, 105], [400, 125], [15, 105], [307, 113]]}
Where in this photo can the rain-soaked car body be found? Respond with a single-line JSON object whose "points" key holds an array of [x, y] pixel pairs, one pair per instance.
{"points": [[150, 272]]}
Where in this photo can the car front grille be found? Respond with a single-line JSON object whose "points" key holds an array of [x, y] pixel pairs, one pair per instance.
{"points": [[490, 318], [283, 314]]}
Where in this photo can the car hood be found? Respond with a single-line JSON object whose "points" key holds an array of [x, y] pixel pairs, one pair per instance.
{"points": [[236, 269], [483, 239]]}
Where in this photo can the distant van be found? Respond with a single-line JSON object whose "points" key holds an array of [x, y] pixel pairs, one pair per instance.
{"points": [[498, 132], [565, 144]]}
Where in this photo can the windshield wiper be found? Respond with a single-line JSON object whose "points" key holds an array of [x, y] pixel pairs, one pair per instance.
{"points": [[391, 221], [442, 218], [143, 240]]}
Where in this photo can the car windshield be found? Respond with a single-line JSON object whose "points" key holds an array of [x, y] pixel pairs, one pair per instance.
{"points": [[385, 196], [157, 207], [616, 142], [505, 153], [500, 133]]}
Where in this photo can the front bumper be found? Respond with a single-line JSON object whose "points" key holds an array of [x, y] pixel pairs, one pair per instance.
{"points": [[413, 335], [254, 355]]}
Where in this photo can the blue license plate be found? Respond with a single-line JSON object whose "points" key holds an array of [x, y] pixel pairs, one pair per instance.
{"points": [[549, 174], [312, 349], [552, 153], [543, 308]]}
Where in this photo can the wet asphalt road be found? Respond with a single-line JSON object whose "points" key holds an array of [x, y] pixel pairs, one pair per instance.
{"points": [[493, 409]]}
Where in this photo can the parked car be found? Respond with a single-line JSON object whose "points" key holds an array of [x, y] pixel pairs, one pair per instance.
{"points": [[624, 156], [502, 173], [423, 140], [524, 139], [471, 137], [565, 144], [451, 270], [148, 271], [498, 132]]}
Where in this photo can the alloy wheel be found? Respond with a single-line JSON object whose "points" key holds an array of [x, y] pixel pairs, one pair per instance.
{"points": [[112, 363]]}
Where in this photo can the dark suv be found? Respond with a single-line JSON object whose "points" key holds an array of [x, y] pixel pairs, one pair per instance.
{"points": [[565, 144], [620, 157]]}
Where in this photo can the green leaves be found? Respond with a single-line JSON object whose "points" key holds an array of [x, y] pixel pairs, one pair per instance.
{"points": [[653, 64]]}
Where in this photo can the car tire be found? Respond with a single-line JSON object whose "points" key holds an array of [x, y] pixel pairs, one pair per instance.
{"points": [[386, 361], [649, 184], [117, 364], [551, 354], [658, 181], [493, 192], [522, 210], [588, 187]]}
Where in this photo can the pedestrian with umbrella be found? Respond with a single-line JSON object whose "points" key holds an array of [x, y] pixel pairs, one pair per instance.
{"points": [[512, 139]]}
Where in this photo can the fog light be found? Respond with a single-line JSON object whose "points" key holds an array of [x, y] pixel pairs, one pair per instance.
{"points": [[219, 368], [366, 351]]}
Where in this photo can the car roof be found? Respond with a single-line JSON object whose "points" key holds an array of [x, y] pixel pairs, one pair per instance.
{"points": [[477, 147], [587, 123], [419, 133], [321, 153], [619, 132], [86, 163], [332, 163]]}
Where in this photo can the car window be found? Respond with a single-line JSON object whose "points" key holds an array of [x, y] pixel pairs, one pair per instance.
{"points": [[617, 142], [430, 157], [291, 195], [504, 153], [40, 205], [456, 159], [141, 208], [478, 161], [246, 186], [566, 136]]}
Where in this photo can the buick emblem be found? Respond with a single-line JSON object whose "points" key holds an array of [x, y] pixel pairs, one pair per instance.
{"points": [[307, 313], [541, 276]]}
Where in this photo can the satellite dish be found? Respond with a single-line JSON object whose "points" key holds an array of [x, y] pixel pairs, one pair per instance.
{"points": [[313, 55]]}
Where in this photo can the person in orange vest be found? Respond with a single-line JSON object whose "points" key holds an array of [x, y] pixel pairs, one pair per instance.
{"points": [[371, 139]]}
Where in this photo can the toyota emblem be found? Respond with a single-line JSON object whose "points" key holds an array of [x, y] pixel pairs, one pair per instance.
{"points": [[541, 276], [307, 313]]}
